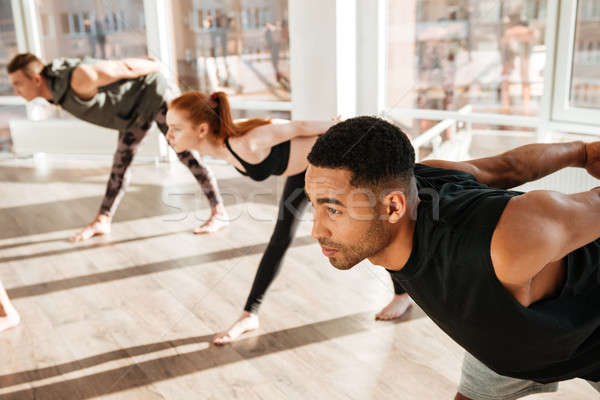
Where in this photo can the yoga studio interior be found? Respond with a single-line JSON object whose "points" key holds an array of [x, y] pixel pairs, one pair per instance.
{"points": [[132, 312]]}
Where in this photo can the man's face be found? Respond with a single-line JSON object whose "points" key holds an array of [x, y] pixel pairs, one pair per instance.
{"points": [[345, 219], [28, 88]]}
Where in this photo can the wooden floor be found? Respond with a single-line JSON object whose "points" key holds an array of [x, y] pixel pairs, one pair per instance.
{"points": [[132, 315]]}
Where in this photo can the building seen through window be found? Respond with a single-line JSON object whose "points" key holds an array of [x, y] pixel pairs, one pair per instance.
{"points": [[585, 78], [239, 47], [489, 55], [104, 29], [233, 46], [8, 47]]}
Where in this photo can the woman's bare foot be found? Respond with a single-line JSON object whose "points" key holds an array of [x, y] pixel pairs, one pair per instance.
{"points": [[246, 322], [99, 226], [397, 307], [218, 220], [9, 317]]}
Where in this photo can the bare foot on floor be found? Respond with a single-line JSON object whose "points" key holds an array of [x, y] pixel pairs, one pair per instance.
{"points": [[397, 307], [246, 322], [99, 226], [218, 220], [9, 317], [211, 226]]}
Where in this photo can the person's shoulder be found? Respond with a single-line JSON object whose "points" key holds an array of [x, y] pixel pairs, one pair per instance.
{"points": [[62, 64]]}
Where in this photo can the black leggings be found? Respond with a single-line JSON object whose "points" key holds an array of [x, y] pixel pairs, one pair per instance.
{"points": [[291, 207]]}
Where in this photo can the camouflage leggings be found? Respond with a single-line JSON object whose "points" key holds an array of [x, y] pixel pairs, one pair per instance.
{"points": [[129, 143]]}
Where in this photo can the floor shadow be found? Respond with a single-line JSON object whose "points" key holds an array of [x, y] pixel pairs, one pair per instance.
{"points": [[70, 172], [31, 243], [156, 370], [75, 248], [155, 200], [33, 174], [140, 270]]}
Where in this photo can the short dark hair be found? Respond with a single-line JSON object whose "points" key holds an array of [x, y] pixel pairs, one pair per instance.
{"points": [[376, 152], [29, 63]]}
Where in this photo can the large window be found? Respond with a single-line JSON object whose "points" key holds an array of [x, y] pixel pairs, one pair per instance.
{"points": [[103, 29], [577, 98], [445, 55], [239, 47], [585, 78], [526, 66], [106, 29], [8, 47], [8, 44]]}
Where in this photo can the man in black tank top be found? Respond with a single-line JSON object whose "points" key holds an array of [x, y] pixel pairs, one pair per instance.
{"points": [[129, 95], [513, 277]]}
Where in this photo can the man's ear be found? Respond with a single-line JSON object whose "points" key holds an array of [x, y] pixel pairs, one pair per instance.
{"points": [[38, 79], [394, 203]]}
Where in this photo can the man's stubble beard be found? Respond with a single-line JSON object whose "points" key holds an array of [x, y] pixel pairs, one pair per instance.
{"points": [[375, 240]]}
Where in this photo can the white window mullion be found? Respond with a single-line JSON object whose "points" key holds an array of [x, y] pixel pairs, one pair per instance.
{"points": [[562, 110], [371, 56], [158, 34], [31, 28], [20, 26], [543, 130]]}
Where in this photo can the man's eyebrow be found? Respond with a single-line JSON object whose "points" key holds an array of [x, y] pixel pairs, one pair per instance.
{"points": [[325, 200], [329, 200]]}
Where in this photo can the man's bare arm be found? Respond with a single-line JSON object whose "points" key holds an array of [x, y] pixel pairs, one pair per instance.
{"points": [[88, 78], [528, 163], [541, 227]]}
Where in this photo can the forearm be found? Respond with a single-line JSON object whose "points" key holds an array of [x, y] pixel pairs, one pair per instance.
{"points": [[129, 68], [140, 67], [529, 163], [88, 78], [312, 128]]}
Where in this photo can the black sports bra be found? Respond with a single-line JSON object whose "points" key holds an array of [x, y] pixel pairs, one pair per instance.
{"points": [[275, 164]]}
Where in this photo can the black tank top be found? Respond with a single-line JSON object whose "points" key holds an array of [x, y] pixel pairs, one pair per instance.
{"points": [[275, 164], [451, 277]]}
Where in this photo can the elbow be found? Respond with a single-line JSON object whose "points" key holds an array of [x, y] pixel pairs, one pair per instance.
{"points": [[302, 127], [124, 70]]}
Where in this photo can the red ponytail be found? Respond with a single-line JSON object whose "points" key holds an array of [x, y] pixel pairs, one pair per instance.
{"points": [[216, 112]]}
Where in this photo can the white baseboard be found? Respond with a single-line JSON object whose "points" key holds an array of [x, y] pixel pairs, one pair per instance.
{"points": [[75, 137]]}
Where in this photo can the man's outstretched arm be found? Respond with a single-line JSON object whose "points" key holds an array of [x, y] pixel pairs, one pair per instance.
{"points": [[88, 78], [528, 163]]}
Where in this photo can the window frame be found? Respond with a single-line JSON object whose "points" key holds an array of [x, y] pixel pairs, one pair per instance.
{"points": [[562, 110]]}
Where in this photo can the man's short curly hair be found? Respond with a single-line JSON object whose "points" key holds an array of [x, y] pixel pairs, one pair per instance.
{"points": [[376, 152]]}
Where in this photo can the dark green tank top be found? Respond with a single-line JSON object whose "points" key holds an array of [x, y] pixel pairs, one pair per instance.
{"points": [[450, 275], [122, 105]]}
